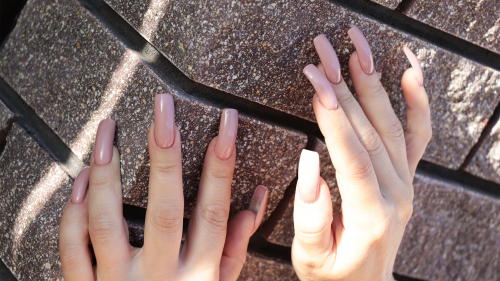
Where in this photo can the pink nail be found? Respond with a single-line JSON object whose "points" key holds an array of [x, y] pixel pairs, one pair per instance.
{"points": [[103, 151], [227, 134], [419, 76], [164, 120], [363, 48], [308, 180], [258, 197], [328, 58], [80, 186], [322, 86]]}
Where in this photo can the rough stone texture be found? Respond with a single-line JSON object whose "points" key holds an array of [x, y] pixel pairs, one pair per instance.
{"points": [[255, 50], [5, 114], [477, 21], [486, 161], [33, 193], [391, 4], [260, 268], [284, 232], [74, 73], [454, 234]]}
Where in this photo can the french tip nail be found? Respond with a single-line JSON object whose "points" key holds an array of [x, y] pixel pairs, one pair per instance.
{"points": [[164, 120], [308, 176], [80, 186], [257, 199], [228, 130], [363, 48], [415, 64], [103, 151]]}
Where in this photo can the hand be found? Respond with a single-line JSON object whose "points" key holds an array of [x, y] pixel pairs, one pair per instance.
{"points": [[375, 162], [215, 249]]}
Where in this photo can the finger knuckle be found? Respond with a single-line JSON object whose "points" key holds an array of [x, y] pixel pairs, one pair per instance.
{"points": [[395, 130], [166, 168], [99, 182], [69, 253], [217, 175], [378, 90], [347, 100], [360, 167], [167, 218], [341, 125], [372, 142], [405, 209], [102, 228], [215, 215]]}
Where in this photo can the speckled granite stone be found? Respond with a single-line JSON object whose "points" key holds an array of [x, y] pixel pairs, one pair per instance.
{"points": [[257, 50], [477, 21], [391, 4], [74, 73], [5, 114], [486, 161], [283, 231], [260, 268], [454, 234], [33, 193]]}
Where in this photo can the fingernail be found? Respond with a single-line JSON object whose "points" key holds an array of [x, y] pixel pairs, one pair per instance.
{"points": [[80, 186], [419, 76], [308, 181], [103, 151], [328, 58], [363, 48], [258, 197], [164, 120], [227, 134], [322, 86]]}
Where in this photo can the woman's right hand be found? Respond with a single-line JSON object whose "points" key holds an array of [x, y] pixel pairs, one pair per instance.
{"points": [[375, 161]]}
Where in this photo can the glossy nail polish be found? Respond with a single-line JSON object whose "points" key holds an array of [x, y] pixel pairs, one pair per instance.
{"points": [[80, 186], [227, 134], [258, 197], [419, 76], [363, 48], [164, 120], [103, 151], [328, 58], [322, 86], [308, 179]]}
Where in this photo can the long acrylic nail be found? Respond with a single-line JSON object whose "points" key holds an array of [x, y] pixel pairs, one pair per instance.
{"points": [[364, 52], [258, 197], [80, 186], [417, 70], [308, 180], [322, 86], [164, 120], [103, 151], [227, 134], [328, 58]]}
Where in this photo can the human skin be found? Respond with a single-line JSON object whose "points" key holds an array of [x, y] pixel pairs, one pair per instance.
{"points": [[215, 248], [375, 162]]}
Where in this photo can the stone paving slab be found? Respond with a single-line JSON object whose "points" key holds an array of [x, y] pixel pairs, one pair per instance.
{"points": [[257, 51], [33, 193], [260, 268], [477, 21], [454, 234], [74, 73], [5, 114], [486, 161]]}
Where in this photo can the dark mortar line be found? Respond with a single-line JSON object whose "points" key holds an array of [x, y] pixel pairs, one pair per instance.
{"points": [[4, 131], [422, 31], [405, 5], [39, 130], [5, 273], [169, 73], [460, 178], [485, 134], [9, 14], [400, 277]]}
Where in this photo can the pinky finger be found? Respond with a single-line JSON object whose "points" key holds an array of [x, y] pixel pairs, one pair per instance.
{"points": [[74, 233], [239, 230], [418, 124]]}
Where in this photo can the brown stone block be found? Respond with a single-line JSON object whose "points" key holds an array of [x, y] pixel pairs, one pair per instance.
{"points": [[453, 234], [257, 51], [261, 268], [33, 193], [477, 21], [74, 73], [486, 161], [5, 114]]}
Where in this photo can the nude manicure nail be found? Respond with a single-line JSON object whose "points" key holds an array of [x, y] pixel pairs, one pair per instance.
{"points": [[364, 52], [308, 179], [227, 134], [419, 76], [328, 58], [322, 86], [80, 186], [103, 151], [258, 197], [164, 120]]}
